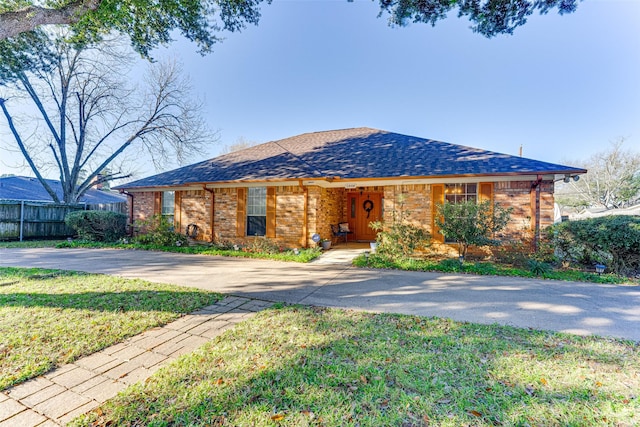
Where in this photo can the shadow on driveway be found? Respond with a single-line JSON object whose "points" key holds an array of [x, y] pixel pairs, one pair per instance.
{"points": [[574, 307]]}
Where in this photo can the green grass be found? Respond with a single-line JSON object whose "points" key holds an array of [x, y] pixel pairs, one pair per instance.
{"points": [[297, 366], [304, 256], [31, 244], [486, 268], [52, 317]]}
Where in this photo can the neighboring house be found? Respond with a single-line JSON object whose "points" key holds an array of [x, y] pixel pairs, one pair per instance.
{"points": [[23, 188], [598, 212], [288, 190], [27, 211]]}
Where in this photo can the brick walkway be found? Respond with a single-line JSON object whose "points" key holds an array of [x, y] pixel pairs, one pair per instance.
{"points": [[77, 388]]}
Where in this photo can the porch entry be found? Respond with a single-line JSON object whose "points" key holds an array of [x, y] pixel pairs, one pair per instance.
{"points": [[362, 209]]}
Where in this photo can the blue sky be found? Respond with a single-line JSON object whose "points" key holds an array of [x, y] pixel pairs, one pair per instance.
{"points": [[563, 87]]}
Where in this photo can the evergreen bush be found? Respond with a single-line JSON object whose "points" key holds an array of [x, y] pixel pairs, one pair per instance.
{"points": [[610, 240], [97, 226]]}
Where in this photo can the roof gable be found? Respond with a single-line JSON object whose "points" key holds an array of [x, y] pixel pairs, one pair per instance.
{"points": [[358, 153]]}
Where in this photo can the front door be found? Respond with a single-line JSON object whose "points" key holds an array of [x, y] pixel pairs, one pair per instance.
{"points": [[363, 209]]}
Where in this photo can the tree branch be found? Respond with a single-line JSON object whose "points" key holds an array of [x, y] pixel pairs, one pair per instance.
{"points": [[26, 155], [29, 18]]}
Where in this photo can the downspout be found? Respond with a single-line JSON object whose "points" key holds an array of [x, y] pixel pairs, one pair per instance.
{"points": [[536, 230], [305, 218], [130, 211], [213, 210]]}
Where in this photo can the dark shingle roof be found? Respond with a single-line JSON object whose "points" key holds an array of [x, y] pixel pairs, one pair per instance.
{"points": [[27, 188], [351, 153]]}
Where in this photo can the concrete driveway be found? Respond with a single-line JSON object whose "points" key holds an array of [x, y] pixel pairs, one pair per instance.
{"points": [[579, 308]]}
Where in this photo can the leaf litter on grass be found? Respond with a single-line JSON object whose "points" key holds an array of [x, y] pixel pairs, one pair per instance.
{"points": [[356, 368], [51, 317]]}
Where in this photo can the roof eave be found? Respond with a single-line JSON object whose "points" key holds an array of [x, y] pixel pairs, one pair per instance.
{"points": [[336, 179]]}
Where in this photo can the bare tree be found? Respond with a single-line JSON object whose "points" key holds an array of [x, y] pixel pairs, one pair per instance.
{"points": [[612, 180], [240, 144], [89, 113]]}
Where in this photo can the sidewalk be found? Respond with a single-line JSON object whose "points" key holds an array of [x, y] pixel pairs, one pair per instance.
{"points": [[79, 387], [341, 254]]}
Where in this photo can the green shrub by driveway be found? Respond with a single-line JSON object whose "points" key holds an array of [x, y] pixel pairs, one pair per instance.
{"points": [[98, 226], [52, 317], [612, 240]]}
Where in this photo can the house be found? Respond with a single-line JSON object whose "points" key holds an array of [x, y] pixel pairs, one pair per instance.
{"points": [[27, 211], [24, 188], [290, 189]]}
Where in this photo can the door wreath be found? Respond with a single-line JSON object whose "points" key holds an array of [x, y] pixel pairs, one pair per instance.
{"points": [[368, 207]]}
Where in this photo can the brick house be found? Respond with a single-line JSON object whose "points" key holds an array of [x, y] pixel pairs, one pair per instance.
{"points": [[290, 189]]}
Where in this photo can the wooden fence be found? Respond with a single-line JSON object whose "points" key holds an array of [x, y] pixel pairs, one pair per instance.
{"points": [[21, 220]]}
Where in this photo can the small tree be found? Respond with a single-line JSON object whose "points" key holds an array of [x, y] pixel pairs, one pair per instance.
{"points": [[471, 223], [401, 238]]}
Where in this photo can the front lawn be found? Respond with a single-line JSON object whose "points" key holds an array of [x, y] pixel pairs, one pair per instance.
{"points": [[452, 265], [298, 366], [52, 317], [30, 244]]}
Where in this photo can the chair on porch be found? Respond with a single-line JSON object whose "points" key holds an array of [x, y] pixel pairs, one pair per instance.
{"points": [[340, 230]]}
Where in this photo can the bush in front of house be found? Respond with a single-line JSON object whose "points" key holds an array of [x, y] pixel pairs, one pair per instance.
{"points": [[610, 240], [400, 238], [97, 226], [158, 231], [472, 224]]}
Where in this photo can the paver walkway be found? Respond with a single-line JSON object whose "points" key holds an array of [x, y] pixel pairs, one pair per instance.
{"points": [[77, 388]]}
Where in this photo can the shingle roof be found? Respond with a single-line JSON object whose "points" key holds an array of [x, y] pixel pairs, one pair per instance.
{"points": [[357, 153], [27, 188]]}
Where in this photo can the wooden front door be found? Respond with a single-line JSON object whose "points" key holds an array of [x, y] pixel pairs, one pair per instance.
{"points": [[362, 210]]}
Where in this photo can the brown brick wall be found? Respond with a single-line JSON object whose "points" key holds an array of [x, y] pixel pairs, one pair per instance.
{"points": [[194, 207], [328, 206], [226, 204], [547, 201], [519, 196], [412, 202], [142, 205], [290, 216]]}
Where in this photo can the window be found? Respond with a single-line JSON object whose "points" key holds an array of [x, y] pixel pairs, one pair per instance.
{"points": [[257, 211], [168, 205], [459, 193]]}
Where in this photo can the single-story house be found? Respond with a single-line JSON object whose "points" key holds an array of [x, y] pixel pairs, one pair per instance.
{"points": [[28, 212], [28, 189], [291, 189]]}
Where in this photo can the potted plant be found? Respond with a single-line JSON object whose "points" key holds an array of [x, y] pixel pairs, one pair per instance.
{"points": [[326, 244]]}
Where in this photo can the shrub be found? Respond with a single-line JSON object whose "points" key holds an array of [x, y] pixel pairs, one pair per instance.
{"points": [[158, 231], [485, 268], [612, 240], [539, 268], [263, 245], [517, 250], [99, 226], [401, 238], [470, 223], [450, 265]]}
